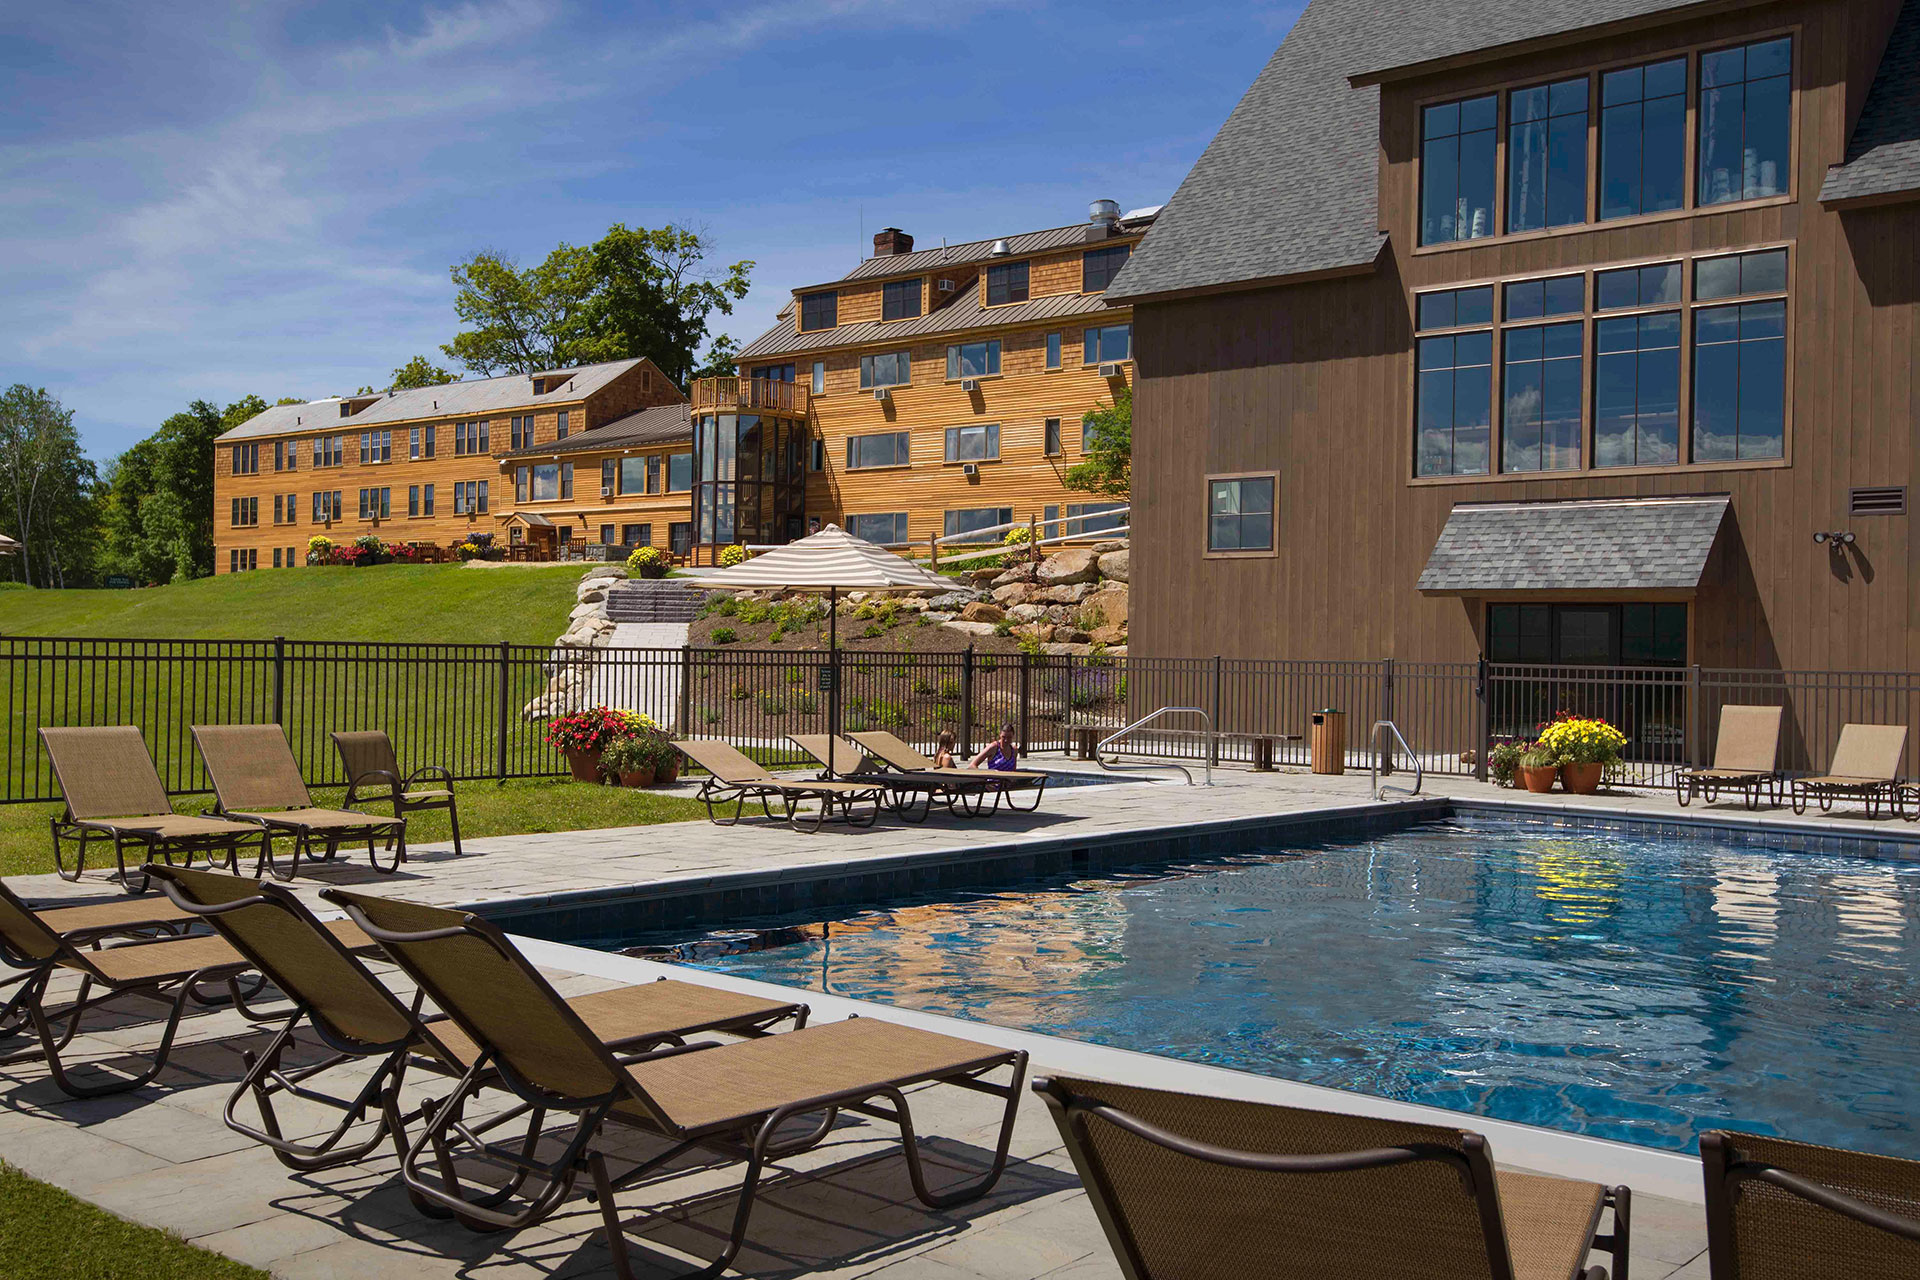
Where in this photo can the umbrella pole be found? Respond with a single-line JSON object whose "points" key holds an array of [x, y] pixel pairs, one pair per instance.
{"points": [[833, 676]]}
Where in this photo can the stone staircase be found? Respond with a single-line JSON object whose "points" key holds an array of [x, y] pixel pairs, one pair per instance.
{"points": [[654, 600]]}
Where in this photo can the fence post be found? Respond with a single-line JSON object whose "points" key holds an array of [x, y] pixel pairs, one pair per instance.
{"points": [[1693, 753], [1483, 728], [966, 701], [280, 681], [1026, 700], [500, 724], [1213, 739], [1383, 752], [686, 691]]}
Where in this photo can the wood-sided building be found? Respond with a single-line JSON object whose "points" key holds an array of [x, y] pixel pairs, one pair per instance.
{"points": [[1573, 331], [928, 392], [427, 465]]}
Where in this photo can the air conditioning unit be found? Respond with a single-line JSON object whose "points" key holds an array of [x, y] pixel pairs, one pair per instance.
{"points": [[606, 491], [882, 394], [943, 286], [969, 384], [1110, 370], [970, 469]]}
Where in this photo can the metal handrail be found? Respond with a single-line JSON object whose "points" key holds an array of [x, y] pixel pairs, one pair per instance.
{"points": [[1148, 719], [1373, 739]]}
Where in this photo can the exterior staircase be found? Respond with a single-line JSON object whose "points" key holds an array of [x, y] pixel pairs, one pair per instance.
{"points": [[654, 600]]}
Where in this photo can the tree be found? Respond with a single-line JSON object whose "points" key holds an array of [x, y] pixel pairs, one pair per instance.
{"points": [[635, 292], [157, 522], [47, 488], [1108, 469], [420, 372], [723, 359]]}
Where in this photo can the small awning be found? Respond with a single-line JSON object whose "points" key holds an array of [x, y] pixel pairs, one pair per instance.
{"points": [[532, 519], [1654, 545]]}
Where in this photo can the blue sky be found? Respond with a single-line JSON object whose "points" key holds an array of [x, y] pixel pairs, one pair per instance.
{"points": [[199, 200]]}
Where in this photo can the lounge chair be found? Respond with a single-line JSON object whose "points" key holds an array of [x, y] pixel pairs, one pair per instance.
{"points": [[1196, 1188], [256, 779], [1866, 761], [735, 779], [843, 759], [1744, 759], [167, 971], [113, 793], [901, 756], [726, 1097], [1787, 1209], [355, 1017], [368, 758]]}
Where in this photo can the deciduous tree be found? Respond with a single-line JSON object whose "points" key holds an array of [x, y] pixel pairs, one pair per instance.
{"points": [[1109, 466], [47, 489]]}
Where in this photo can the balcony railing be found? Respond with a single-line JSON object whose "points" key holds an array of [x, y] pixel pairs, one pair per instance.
{"points": [[750, 395]]}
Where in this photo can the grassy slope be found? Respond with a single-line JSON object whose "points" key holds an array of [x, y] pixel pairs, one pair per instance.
{"points": [[430, 603], [46, 1234]]}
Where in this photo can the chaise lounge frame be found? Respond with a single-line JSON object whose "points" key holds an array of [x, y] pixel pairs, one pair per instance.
{"points": [[1821, 1213], [256, 779], [1866, 766], [842, 758], [901, 755], [1745, 756], [735, 778]]}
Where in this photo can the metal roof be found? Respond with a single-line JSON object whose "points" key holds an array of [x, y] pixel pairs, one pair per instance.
{"points": [[1883, 155], [922, 261], [1606, 544], [959, 316], [660, 424], [454, 399]]}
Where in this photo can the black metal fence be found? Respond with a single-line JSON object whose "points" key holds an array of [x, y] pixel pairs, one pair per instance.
{"points": [[479, 709]]}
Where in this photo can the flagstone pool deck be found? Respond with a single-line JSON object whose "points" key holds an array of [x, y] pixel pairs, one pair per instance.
{"points": [[162, 1156]]}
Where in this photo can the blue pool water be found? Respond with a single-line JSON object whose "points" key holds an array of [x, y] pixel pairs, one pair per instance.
{"points": [[1607, 984]]}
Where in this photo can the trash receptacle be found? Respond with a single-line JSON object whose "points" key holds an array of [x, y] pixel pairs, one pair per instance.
{"points": [[1328, 750]]}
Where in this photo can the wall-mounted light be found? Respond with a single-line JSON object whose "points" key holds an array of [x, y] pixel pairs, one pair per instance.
{"points": [[1838, 537]]}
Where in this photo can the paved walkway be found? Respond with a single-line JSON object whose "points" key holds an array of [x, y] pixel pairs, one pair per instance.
{"points": [[652, 689]]}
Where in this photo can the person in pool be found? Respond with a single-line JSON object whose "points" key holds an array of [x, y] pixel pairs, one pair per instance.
{"points": [[1000, 754]]}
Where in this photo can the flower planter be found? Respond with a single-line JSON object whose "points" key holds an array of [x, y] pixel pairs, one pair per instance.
{"points": [[1538, 779], [1581, 779], [637, 778], [584, 764], [667, 773]]}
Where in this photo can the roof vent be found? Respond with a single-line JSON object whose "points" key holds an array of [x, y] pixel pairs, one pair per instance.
{"points": [[1001, 249], [1885, 500], [1103, 219]]}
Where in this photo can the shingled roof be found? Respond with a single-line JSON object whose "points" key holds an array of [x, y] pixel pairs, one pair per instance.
{"points": [[1883, 155], [1289, 185], [960, 316], [1612, 544], [661, 424]]}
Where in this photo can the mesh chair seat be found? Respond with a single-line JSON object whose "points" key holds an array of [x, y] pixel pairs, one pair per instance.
{"points": [[174, 958], [319, 819], [1550, 1223], [646, 1011], [122, 914], [1836, 782], [177, 826], [1726, 775]]}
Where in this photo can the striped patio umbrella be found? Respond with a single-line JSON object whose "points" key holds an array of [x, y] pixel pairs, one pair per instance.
{"points": [[7, 545]]}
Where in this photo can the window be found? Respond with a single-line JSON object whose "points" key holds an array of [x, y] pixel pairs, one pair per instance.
{"points": [[246, 459], [375, 504], [1643, 139], [560, 426], [1541, 384], [520, 484], [818, 460], [1739, 359], [1452, 404], [1112, 343], [636, 535], [1740, 274], [546, 483], [376, 446], [1457, 149], [974, 444], [470, 498], [1006, 282], [238, 560], [520, 432], [1053, 350], [1451, 308], [1053, 438], [1639, 635], [819, 311], [973, 359], [680, 537], [975, 520], [679, 472], [774, 372], [413, 442], [1651, 286], [887, 529], [426, 442], [245, 512], [470, 438], [1534, 299], [279, 509], [900, 299], [1746, 122], [819, 383], [653, 473], [426, 499], [633, 473], [894, 369], [327, 450], [276, 557], [460, 497], [1636, 390], [1240, 514], [482, 508], [326, 507], [1098, 267], [1094, 517], [609, 471], [888, 449], [566, 482], [606, 536], [284, 454], [1547, 156], [413, 500]]}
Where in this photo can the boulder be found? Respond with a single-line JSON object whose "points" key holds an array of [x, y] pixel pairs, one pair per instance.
{"points": [[983, 576], [981, 611], [972, 628], [1078, 565], [1027, 613], [1110, 544], [1014, 593], [1072, 635], [605, 571], [938, 615], [1114, 565], [1112, 604], [1072, 593], [1041, 631], [1116, 651], [1018, 573], [588, 609], [1108, 635], [1061, 648], [592, 589], [1061, 614], [953, 601]]}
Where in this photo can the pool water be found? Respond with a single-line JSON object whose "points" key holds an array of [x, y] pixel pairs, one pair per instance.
{"points": [[1613, 985]]}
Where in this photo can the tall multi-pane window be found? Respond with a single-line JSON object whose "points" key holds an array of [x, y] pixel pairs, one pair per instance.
{"points": [[819, 383], [679, 472], [1453, 390], [1541, 376], [1636, 373], [1053, 350], [426, 500], [413, 442], [1457, 154], [609, 472], [1006, 282], [1739, 358], [900, 299], [413, 499], [1547, 156], [1052, 437], [1746, 121], [560, 425], [1643, 139], [653, 473]]}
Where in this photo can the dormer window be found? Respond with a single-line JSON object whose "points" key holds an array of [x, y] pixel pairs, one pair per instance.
{"points": [[900, 299], [819, 310], [1006, 282], [1098, 267], [539, 386]]}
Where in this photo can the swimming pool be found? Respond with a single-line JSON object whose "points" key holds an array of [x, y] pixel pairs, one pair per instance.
{"points": [[1601, 983]]}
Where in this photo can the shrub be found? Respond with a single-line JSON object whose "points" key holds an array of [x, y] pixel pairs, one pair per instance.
{"points": [[949, 690], [725, 635], [805, 703], [648, 562], [873, 632], [923, 687], [771, 706], [1082, 696], [728, 607], [1019, 535], [1004, 627], [888, 714], [739, 692], [733, 555], [649, 748], [898, 671], [710, 717], [987, 662], [1090, 618], [1582, 740], [1030, 644], [776, 635], [1503, 758], [795, 675]]}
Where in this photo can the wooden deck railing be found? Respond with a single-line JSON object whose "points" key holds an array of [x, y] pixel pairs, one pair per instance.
{"points": [[750, 395]]}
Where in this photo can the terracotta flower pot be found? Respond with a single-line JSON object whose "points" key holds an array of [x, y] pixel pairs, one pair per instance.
{"points": [[1581, 779], [584, 764], [636, 778], [1538, 779], [667, 773]]}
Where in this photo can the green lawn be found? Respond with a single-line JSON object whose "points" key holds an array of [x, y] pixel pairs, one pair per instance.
{"points": [[514, 807], [440, 603], [46, 1234]]}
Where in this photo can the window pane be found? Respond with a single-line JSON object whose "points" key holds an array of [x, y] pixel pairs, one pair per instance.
{"points": [[1526, 300], [1716, 278], [1453, 410], [1226, 498], [1745, 124], [1256, 497], [1053, 351], [1436, 310], [1739, 387], [1547, 156], [1457, 171], [1637, 390], [1642, 139], [1542, 379]]}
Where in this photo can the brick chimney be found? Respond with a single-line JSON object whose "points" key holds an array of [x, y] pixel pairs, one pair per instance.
{"points": [[891, 240]]}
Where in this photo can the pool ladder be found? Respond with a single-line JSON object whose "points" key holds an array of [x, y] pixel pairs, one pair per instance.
{"points": [[1150, 717], [1373, 751]]}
